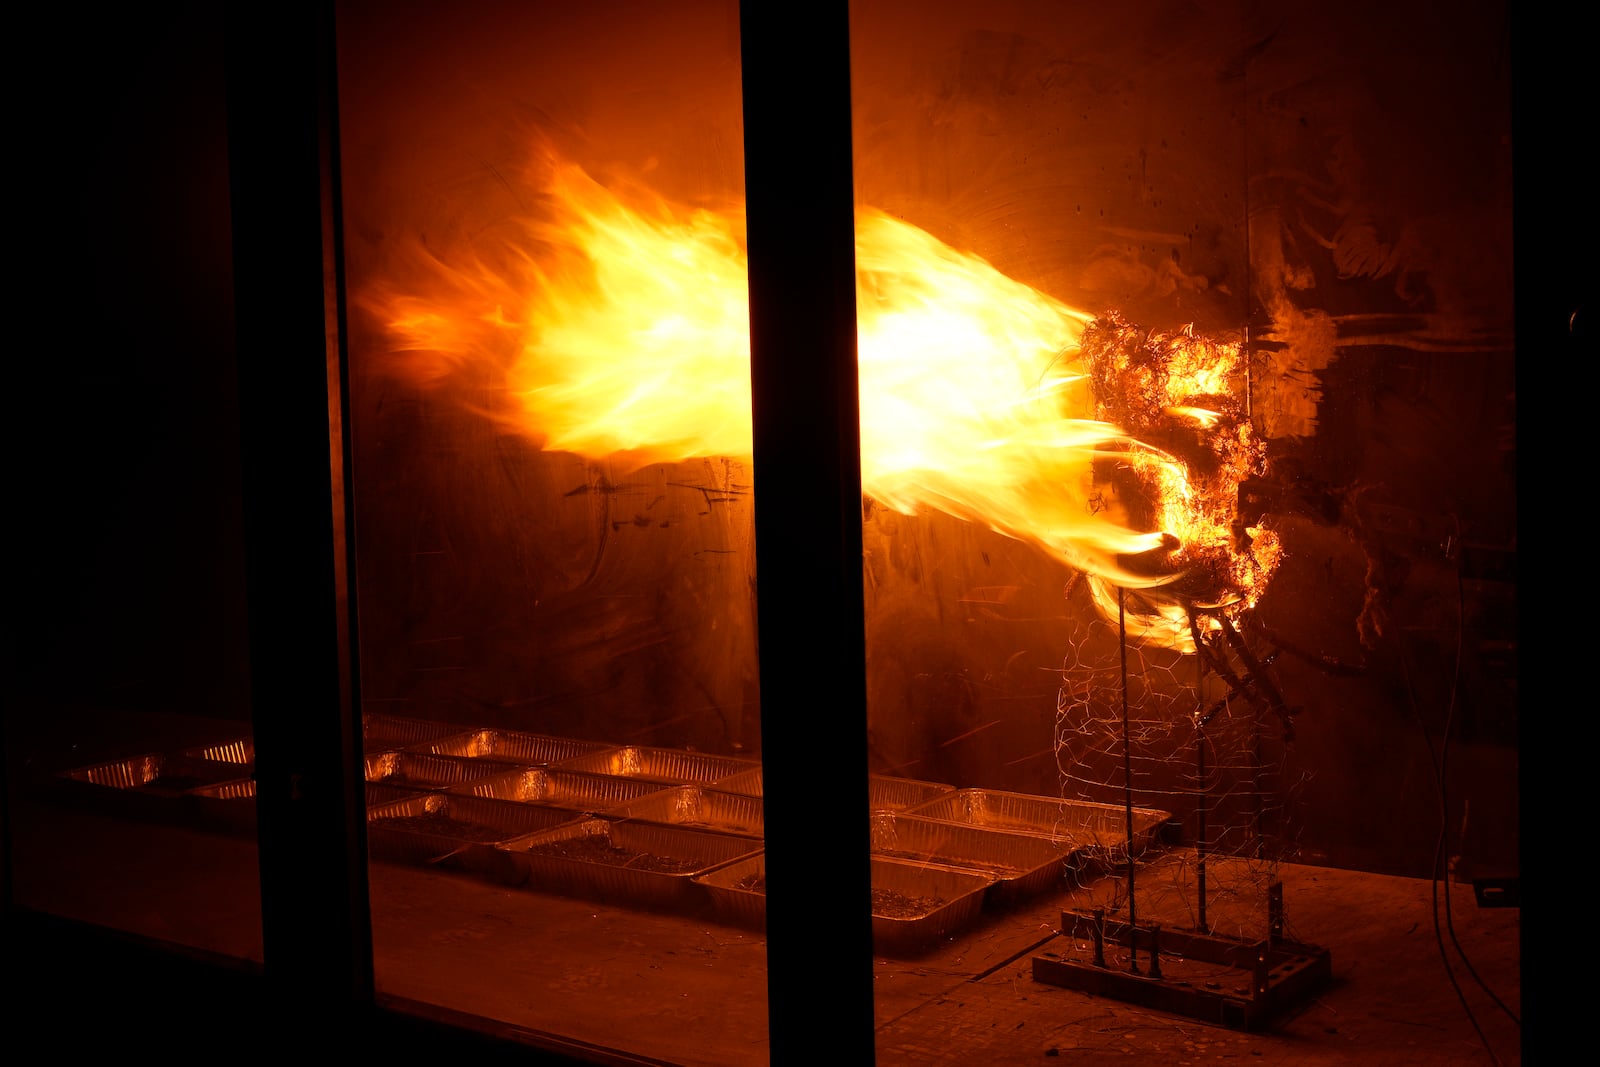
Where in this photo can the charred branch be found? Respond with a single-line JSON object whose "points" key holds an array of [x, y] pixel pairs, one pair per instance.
{"points": [[1252, 683], [1326, 664], [1258, 674]]}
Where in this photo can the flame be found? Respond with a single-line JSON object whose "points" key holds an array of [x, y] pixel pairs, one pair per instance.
{"points": [[620, 326]]}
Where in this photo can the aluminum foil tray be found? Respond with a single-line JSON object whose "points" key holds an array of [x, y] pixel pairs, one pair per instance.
{"points": [[156, 774], [1022, 865], [238, 789], [697, 807], [228, 806], [885, 793], [747, 781], [161, 788], [632, 864], [1078, 826], [915, 906], [738, 891], [573, 790], [379, 793], [424, 772], [241, 750], [670, 765], [510, 746], [455, 832], [394, 731]]}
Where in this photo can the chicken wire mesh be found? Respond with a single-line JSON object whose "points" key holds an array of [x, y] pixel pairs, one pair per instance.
{"points": [[1201, 734]]}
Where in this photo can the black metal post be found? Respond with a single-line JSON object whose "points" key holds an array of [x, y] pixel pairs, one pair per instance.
{"points": [[283, 172], [807, 473]]}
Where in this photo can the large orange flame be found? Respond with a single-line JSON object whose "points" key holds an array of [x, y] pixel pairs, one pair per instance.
{"points": [[622, 331]]}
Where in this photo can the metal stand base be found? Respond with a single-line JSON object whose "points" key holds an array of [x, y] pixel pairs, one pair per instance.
{"points": [[1242, 985]]}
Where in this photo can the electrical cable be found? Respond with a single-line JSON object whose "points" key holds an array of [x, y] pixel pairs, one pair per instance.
{"points": [[1438, 760], [1461, 598], [1435, 760]]}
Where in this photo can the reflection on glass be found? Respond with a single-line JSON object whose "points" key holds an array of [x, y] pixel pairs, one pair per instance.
{"points": [[551, 475]]}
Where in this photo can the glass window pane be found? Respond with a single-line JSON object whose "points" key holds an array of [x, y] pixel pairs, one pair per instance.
{"points": [[552, 481], [1186, 364]]}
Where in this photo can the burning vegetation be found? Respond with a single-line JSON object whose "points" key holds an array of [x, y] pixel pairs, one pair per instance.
{"points": [[1182, 401]]}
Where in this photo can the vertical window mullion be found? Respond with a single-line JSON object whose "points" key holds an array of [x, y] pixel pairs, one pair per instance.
{"points": [[284, 192], [801, 233]]}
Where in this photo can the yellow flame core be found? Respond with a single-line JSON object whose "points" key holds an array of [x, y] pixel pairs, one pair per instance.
{"points": [[623, 329], [972, 401], [637, 335]]}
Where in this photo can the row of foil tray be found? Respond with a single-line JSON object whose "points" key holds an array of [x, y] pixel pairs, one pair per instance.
{"points": [[209, 787], [657, 828], [628, 825], [625, 860], [939, 863], [673, 830]]}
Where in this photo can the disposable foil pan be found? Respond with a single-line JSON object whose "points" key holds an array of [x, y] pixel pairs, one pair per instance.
{"points": [[1077, 826], [511, 746], [238, 789], [1022, 865], [884, 792], [395, 731], [747, 781], [631, 864], [738, 891], [156, 786], [671, 765], [379, 793], [455, 832], [915, 905], [698, 807], [425, 772], [887, 793], [155, 773], [228, 806], [241, 750], [576, 791]]}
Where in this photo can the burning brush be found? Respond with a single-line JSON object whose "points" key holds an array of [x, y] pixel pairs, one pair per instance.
{"points": [[1181, 399]]}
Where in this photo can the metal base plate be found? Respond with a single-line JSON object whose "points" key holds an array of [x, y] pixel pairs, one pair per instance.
{"points": [[1238, 984]]}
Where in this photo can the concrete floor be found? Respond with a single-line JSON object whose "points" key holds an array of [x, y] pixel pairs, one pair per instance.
{"points": [[687, 989]]}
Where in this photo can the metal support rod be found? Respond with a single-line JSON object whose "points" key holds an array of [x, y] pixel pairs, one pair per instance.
{"points": [[1155, 950], [1259, 813], [1097, 933], [1127, 770], [1200, 803], [1200, 840]]}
